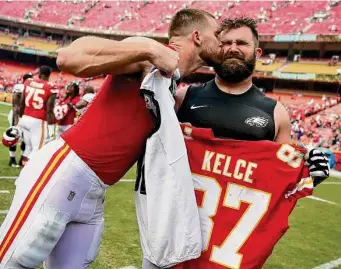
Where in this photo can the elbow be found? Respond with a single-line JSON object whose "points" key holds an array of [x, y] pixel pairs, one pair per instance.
{"points": [[66, 62], [69, 61], [63, 60]]}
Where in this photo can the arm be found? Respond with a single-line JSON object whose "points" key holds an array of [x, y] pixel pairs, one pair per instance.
{"points": [[92, 56], [49, 109], [16, 103], [22, 104], [282, 124], [81, 104]]}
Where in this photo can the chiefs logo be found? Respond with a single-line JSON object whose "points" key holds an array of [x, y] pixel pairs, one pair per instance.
{"points": [[257, 121]]}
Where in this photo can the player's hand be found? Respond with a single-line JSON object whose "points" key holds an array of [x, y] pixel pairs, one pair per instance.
{"points": [[164, 58], [318, 165]]}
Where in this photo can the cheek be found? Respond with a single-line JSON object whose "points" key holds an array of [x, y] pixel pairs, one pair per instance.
{"points": [[249, 54]]}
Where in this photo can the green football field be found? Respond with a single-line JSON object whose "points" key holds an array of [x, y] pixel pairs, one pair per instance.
{"points": [[314, 238]]}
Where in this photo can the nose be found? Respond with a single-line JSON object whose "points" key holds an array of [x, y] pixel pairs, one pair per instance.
{"points": [[233, 47]]}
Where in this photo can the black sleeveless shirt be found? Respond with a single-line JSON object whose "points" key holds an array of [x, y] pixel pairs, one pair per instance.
{"points": [[248, 116]]}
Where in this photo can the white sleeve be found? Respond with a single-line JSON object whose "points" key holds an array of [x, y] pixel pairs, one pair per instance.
{"points": [[88, 97]]}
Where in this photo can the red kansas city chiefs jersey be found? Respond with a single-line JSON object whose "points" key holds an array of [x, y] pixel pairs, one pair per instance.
{"points": [[111, 134], [245, 192], [37, 92], [64, 114]]}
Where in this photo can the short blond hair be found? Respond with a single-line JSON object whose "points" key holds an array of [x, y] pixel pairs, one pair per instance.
{"points": [[186, 19]]}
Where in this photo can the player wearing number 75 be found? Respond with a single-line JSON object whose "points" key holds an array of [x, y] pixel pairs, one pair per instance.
{"points": [[36, 110]]}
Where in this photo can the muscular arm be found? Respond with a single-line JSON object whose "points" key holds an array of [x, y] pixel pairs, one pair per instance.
{"points": [[49, 109], [16, 102], [282, 124], [92, 56]]}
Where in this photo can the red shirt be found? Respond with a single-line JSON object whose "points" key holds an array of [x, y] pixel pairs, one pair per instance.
{"points": [[37, 92], [241, 189], [110, 136], [64, 114]]}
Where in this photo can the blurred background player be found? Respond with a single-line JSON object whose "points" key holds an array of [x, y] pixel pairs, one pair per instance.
{"points": [[13, 119], [64, 112], [88, 95], [36, 108]]}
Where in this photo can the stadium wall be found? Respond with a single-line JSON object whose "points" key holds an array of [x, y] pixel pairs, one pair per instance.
{"points": [[283, 45]]}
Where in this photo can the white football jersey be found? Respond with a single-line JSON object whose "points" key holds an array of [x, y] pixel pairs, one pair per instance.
{"points": [[166, 207]]}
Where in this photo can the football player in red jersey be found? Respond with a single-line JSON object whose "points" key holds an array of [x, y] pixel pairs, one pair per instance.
{"points": [[13, 118], [64, 112], [57, 212], [88, 95], [36, 109]]}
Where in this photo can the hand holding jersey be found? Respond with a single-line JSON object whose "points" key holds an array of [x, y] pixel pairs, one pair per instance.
{"points": [[245, 192], [164, 59]]}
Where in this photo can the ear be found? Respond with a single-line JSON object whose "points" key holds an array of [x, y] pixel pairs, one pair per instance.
{"points": [[196, 37], [259, 53]]}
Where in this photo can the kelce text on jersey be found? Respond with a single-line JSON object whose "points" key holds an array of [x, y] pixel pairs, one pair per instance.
{"points": [[220, 164]]}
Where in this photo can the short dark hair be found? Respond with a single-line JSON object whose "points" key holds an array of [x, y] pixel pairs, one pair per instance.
{"points": [[228, 24], [75, 87], [183, 21], [45, 70], [26, 76]]}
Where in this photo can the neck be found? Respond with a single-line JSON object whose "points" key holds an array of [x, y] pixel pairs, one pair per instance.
{"points": [[234, 88], [189, 61]]}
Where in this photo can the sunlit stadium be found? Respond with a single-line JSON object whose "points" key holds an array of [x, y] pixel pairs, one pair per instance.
{"points": [[300, 67]]}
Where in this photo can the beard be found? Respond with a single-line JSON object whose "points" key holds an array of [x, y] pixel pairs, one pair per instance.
{"points": [[210, 55], [235, 68]]}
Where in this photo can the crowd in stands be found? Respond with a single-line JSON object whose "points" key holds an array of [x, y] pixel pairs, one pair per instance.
{"points": [[11, 74], [316, 121], [275, 17]]}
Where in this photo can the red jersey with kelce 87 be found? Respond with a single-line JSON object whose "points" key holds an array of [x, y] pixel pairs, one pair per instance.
{"points": [[64, 114], [36, 93], [245, 192]]}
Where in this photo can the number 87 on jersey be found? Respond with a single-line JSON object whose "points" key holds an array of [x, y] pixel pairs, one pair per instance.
{"points": [[245, 193]]}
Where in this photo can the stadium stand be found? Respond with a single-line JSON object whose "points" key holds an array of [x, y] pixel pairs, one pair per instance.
{"points": [[15, 8], [32, 43], [268, 68], [330, 26], [6, 39], [149, 16], [11, 72], [275, 17], [311, 68], [56, 12]]}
